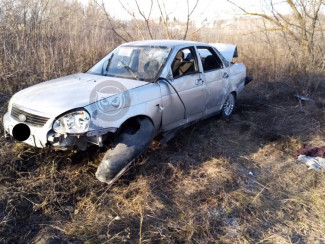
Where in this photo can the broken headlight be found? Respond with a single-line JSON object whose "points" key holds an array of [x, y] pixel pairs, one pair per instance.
{"points": [[75, 122]]}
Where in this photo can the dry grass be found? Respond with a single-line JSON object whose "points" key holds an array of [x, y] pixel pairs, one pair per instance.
{"points": [[219, 180], [225, 181]]}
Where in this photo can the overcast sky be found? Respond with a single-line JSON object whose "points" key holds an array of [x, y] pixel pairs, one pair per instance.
{"points": [[206, 9]]}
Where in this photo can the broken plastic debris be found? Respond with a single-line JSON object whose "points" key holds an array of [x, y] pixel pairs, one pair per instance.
{"points": [[316, 163], [304, 98], [250, 173]]}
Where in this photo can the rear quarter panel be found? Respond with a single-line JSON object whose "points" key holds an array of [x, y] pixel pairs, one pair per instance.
{"points": [[237, 75]]}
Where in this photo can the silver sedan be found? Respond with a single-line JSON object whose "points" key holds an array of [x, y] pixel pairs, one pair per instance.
{"points": [[137, 91]]}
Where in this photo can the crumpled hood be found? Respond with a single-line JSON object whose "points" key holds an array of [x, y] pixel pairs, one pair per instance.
{"points": [[57, 96]]}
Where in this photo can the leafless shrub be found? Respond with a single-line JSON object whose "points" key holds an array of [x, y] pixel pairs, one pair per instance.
{"points": [[295, 41], [46, 39]]}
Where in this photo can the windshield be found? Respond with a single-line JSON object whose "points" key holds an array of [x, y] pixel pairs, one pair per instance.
{"points": [[133, 62]]}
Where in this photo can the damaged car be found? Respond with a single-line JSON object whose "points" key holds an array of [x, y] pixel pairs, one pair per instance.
{"points": [[138, 91]]}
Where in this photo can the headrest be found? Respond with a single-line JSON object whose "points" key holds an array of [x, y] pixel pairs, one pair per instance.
{"points": [[152, 65], [210, 60], [180, 55]]}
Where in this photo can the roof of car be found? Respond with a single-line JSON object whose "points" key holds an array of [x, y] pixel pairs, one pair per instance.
{"points": [[167, 43]]}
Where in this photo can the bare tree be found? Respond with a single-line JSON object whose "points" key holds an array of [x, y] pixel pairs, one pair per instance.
{"points": [[113, 27], [132, 13], [300, 25], [164, 17], [146, 18], [189, 14]]}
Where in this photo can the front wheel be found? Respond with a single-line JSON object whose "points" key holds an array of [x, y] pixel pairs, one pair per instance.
{"points": [[134, 139], [229, 105]]}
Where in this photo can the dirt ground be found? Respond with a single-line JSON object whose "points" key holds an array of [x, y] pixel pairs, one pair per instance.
{"points": [[225, 181]]}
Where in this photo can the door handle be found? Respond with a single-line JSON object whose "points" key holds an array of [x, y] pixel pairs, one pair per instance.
{"points": [[225, 75], [199, 82]]}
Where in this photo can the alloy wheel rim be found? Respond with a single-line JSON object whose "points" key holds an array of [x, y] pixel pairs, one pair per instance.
{"points": [[229, 106]]}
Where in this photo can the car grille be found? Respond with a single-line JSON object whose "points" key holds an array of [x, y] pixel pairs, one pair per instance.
{"points": [[31, 119]]}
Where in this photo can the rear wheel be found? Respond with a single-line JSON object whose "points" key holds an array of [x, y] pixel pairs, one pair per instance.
{"points": [[229, 105]]}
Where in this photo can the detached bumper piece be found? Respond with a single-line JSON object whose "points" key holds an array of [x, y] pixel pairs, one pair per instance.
{"points": [[248, 79]]}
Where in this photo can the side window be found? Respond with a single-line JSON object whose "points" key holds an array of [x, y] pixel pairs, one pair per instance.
{"points": [[209, 59], [185, 63]]}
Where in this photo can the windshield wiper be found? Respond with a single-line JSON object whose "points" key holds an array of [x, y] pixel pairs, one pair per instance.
{"points": [[129, 69], [108, 64]]}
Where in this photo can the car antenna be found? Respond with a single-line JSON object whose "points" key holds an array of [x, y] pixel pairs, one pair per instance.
{"points": [[162, 78]]}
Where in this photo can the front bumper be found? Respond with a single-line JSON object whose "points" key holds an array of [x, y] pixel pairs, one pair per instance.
{"points": [[38, 135], [44, 136]]}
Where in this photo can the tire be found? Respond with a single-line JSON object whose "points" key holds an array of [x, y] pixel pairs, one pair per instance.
{"points": [[129, 144], [228, 106]]}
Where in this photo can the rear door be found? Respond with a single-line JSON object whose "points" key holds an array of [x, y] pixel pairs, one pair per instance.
{"points": [[216, 78], [189, 83]]}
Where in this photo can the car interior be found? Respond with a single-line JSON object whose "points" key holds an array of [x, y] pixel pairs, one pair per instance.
{"points": [[210, 61], [184, 63]]}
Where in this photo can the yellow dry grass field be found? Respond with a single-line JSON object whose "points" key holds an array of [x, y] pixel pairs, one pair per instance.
{"points": [[219, 181]]}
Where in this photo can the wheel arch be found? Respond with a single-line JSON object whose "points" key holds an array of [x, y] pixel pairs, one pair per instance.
{"points": [[234, 93], [132, 122]]}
